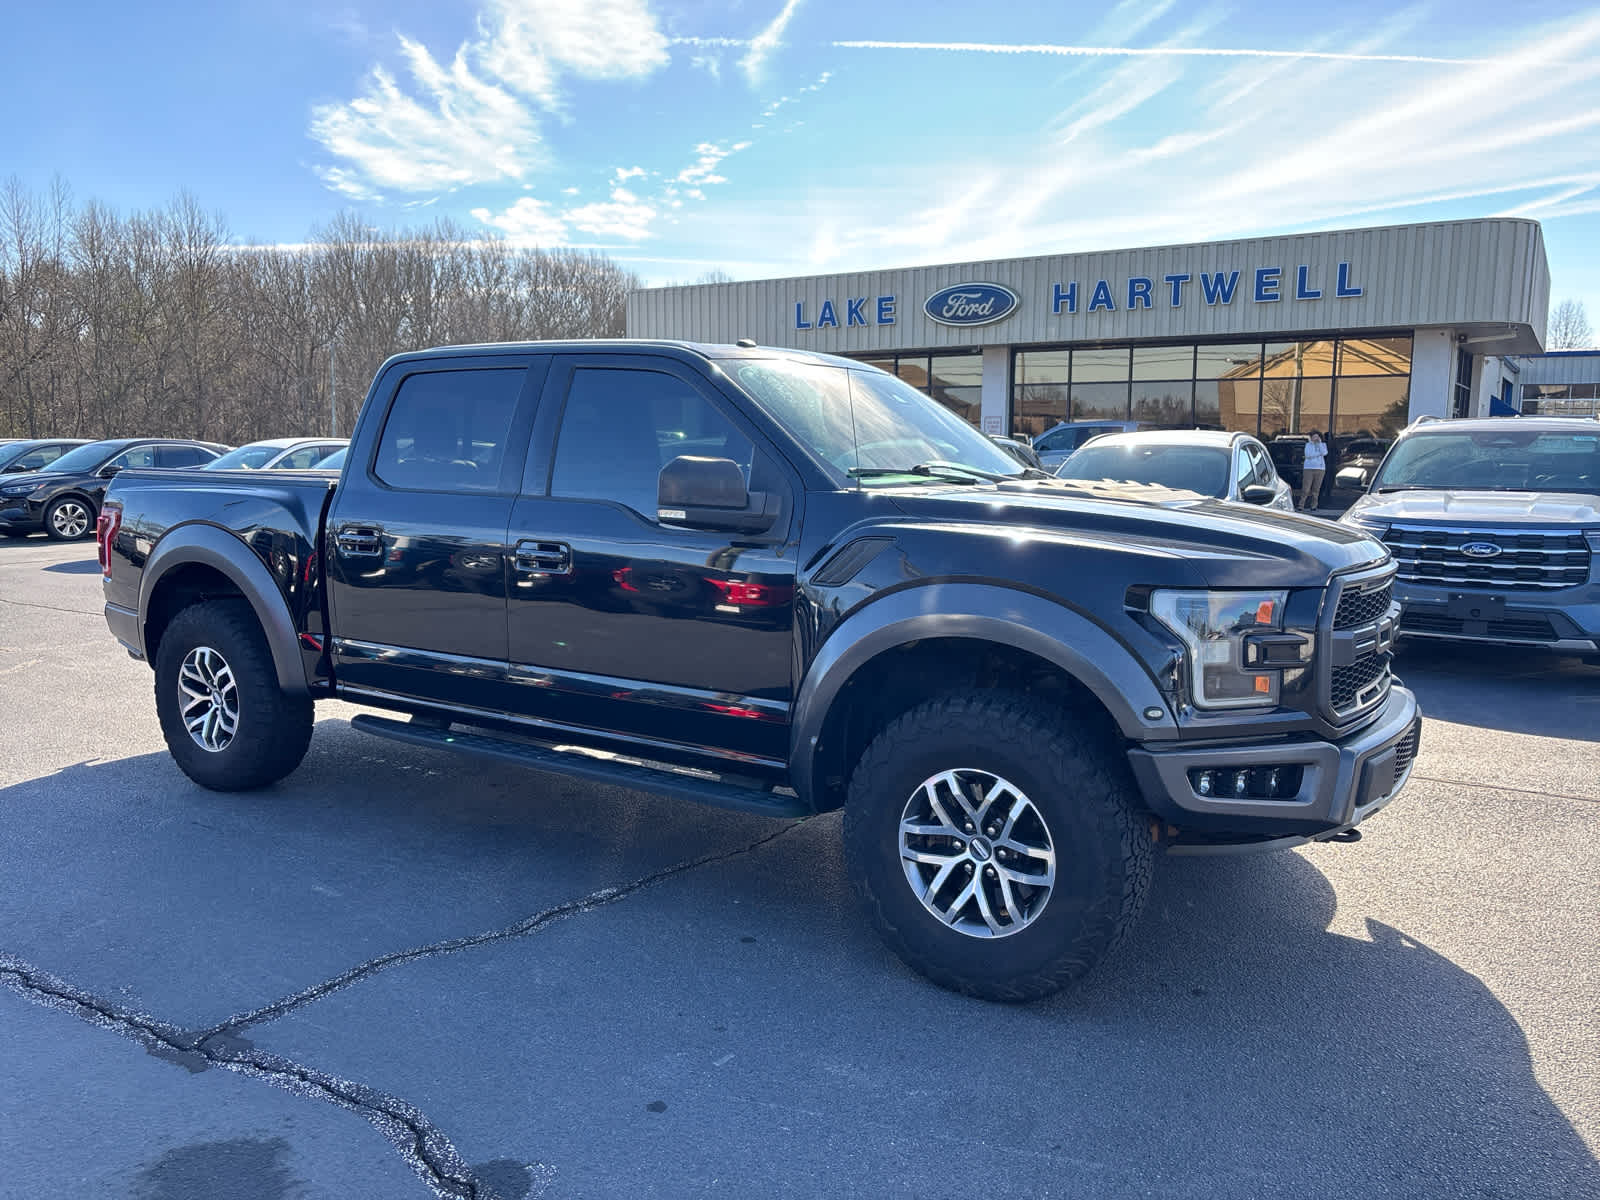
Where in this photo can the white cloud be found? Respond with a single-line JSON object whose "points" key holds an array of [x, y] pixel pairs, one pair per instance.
{"points": [[629, 221], [704, 168], [1152, 52], [762, 46], [527, 222], [623, 174], [711, 64], [570, 191], [476, 120]]}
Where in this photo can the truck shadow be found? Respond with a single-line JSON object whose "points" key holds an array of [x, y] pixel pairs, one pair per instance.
{"points": [[1234, 1047], [1497, 687]]}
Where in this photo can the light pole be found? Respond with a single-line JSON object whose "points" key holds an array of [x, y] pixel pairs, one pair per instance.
{"points": [[333, 390]]}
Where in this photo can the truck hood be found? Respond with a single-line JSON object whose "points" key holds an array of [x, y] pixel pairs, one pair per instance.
{"points": [[1479, 507], [1225, 543]]}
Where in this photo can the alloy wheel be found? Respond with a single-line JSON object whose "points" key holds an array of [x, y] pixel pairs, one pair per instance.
{"points": [[70, 519], [208, 699], [977, 853]]}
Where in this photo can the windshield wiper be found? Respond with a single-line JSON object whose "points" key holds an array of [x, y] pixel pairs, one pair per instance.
{"points": [[937, 469]]}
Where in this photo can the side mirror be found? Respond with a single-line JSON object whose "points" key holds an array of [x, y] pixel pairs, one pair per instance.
{"points": [[108, 471], [1258, 493], [709, 493]]}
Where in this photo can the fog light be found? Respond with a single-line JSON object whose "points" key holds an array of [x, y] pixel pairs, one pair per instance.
{"points": [[1241, 782], [1204, 786]]}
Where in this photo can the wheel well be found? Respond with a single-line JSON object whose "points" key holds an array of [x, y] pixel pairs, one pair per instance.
{"points": [[897, 680], [191, 583]]}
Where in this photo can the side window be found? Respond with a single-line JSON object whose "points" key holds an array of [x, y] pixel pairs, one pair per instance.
{"points": [[620, 427], [139, 456], [306, 456], [36, 459], [447, 431], [1244, 471], [1052, 443], [180, 456], [1260, 469]]}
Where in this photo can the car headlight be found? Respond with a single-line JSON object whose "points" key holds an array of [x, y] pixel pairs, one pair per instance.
{"points": [[1230, 665], [20, 489]]}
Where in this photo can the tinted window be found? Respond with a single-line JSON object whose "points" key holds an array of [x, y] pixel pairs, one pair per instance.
{"points": [[447, 431], [304, 457], [1202, 469], [139, 456], [35, 459], [181, 456], [621, 427]]}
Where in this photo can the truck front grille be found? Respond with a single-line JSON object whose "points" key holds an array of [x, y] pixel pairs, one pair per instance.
{"points": [[1521, 629], [1507, 559], [1355, 644]]}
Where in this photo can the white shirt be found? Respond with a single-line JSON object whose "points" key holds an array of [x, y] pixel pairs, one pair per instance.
{"points": [[1316, 456]]}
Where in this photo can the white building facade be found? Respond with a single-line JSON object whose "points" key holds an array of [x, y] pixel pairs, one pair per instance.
{"points": [[1346, 331]]}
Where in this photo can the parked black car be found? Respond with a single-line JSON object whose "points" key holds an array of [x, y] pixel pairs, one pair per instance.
{"points": [[783, 583], [65, 499], [34, 454]]}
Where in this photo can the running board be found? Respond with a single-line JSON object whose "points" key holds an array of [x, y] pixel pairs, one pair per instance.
{"points": [[665, 782]]}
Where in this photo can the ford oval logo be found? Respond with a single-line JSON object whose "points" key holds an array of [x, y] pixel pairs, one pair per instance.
{"points": [[1480, 550], [971, 304]]}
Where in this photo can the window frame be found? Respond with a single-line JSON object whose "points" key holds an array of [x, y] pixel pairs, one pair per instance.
{"points": [[535, 368], [538, 473]]}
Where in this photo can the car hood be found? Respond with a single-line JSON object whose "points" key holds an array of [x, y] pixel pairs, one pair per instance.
{"points": [[1227, 543], [40, 477], [1479, 507]]}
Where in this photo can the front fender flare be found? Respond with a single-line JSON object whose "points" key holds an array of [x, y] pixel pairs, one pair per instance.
{"points": [[983, 612], [212, 546]]}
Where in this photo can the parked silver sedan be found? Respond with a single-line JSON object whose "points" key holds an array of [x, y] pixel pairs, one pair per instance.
{"points": [[1229, 466], [278, 454]]}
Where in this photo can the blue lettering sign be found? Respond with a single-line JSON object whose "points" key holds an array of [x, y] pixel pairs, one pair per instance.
{"points": [[1139, 292], [826, 318], [1177, 282], [1216, 290], [1302, 287], [1102, 298], [800, 321], [1267, 284], [1344, 290], [853, 311], [1064, 297], [885, 310]]}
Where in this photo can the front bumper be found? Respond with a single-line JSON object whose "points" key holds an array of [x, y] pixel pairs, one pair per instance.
{"points": [[1566, 621], [1342, 783], [20, 518]]}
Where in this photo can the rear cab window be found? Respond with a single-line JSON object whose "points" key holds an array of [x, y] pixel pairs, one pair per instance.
{"points": [[449, 430]]}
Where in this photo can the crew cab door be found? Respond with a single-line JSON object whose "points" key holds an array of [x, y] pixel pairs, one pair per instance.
{"points": [[623, 623], [416, 536]]}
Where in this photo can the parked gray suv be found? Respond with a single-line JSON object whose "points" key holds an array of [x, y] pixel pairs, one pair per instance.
{"points": [[1495, 527]]}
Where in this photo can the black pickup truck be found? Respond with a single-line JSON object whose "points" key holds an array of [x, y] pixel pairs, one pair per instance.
{"points": [[784, 583]]}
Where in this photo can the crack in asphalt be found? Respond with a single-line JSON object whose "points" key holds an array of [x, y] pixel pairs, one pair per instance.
{"points": [[1501, 787], [80, 612], [425, 1149], [428, 1152]]}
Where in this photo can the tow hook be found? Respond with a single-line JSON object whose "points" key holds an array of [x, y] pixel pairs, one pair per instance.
{"points": [[1344, 835]]}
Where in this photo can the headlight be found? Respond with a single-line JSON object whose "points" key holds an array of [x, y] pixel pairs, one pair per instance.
{"points": [[20, 489], [1214, 627]]}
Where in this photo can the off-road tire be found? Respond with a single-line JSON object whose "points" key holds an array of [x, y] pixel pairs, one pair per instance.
{"points": [[274, 727], [1077, 778], [55, 506]]}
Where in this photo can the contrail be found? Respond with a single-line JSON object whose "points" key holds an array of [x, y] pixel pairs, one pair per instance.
{"points": [[1154, 52]]}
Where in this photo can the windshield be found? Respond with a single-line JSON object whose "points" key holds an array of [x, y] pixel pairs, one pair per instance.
{"points": [[1502, 460], [870, 426], [1202, 469], [249, 458], [86, 458]]}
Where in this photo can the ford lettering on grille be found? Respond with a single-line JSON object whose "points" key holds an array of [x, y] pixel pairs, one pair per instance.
{"points": [[1481, 550], [971, 304]]}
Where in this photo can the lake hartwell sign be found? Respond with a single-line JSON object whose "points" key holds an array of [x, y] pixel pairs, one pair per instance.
{"points": [[986, 303]]}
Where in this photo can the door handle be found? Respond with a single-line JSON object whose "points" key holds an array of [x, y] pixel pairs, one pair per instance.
{"points": [[359, 541], [543, 558]]}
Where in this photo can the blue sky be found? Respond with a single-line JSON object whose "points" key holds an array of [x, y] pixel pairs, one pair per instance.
{"points": [[767, 137]]}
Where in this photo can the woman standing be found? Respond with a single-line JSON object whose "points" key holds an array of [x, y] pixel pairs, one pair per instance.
{"points": [[1316, 462]]}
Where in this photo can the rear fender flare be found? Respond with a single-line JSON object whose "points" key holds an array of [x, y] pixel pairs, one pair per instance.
{"points": [[215, 547], [983, 612]]}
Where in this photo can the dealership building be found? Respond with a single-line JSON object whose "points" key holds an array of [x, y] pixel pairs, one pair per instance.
{"points": [[1353, 331]]}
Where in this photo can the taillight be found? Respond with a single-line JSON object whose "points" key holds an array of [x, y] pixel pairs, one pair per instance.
{"points": [[106, 528]]}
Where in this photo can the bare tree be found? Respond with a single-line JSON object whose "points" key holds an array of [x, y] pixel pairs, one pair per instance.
{"points": [[1569, 327], [158, 323]]}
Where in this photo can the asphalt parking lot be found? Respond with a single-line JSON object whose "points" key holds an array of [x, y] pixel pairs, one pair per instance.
{"points": [[400, 974]]}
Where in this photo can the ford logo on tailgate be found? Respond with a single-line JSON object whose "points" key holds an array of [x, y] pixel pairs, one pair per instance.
{"points": [[971, 304], [1480, 550]]}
